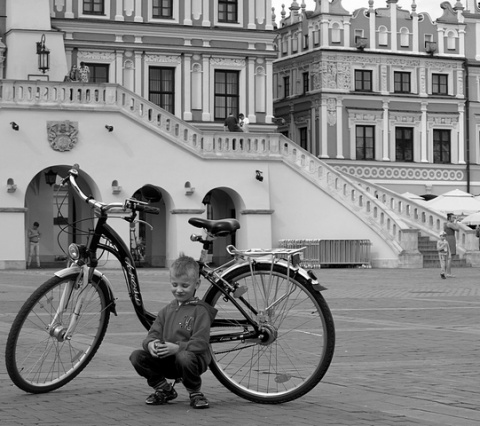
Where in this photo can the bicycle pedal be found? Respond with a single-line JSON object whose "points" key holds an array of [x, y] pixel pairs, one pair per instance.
{"points": [[240, 291]]}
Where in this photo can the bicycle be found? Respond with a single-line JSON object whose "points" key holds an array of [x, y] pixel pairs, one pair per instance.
{"points": [[272, 340]]}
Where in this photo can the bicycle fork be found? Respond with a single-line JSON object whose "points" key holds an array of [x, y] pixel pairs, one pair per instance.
{"points": [[56, 328]]}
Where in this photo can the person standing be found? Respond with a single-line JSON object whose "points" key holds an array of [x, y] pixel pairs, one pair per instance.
{"points": [[444, 253], [34, 244], [231, 124], [450, 227], [244, 122], [83, 73]]}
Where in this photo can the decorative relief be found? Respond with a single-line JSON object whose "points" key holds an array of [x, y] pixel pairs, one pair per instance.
{"points": [[62, 135], [433, 120], [96, 56], [196, 67], [163, 59], [331, 111], [402, 173], [227, 62]]}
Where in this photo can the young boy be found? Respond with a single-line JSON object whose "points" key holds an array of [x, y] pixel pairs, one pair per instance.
{"points": [[177, 345], [443, 253]]}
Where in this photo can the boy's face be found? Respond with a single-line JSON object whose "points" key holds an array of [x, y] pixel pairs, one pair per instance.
{"points": [[183, 287]]}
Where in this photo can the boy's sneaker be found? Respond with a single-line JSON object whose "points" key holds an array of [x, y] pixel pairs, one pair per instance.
{"points": [[161, 396], [198, 400]]}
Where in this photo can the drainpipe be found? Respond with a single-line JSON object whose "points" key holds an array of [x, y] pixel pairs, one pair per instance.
{"points": [[467, 123]]}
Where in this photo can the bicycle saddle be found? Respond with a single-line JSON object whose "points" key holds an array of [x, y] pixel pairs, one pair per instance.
{"points": [[218, 228]]}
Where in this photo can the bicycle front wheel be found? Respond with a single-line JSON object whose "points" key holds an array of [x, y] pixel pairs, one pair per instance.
{"points": [[39, 357], [298, 335]]}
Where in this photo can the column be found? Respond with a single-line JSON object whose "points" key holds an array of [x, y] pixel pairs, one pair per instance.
{"points": [[250, 111], [119, 11], [268, 91], [424, 135], [138, 73], [119, 67], [187, 87], [251, 15], [313, 128], [206, 13], [69, 10], [206, 89], [138, 11], [324, 130], [385, 132], [187, 19], [340, 128], [461, 133]]}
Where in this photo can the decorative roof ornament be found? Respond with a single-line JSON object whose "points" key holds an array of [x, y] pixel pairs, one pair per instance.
{"points": [[414, 7]]}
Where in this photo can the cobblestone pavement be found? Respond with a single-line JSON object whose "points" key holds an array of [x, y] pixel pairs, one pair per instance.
{"points": [[407, 353]]}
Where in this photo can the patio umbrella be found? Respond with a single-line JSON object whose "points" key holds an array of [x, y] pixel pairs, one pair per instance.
{"points": [[457, 202], [472, 219]]}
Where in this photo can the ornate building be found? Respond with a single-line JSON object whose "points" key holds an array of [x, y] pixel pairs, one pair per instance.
{"points": [[383, 94]]}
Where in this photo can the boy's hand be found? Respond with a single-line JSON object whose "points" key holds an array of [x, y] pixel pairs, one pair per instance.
{"points": [[165, 349]]}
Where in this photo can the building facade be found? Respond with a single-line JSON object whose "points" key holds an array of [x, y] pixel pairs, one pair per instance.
{"points": [[383, 93]]}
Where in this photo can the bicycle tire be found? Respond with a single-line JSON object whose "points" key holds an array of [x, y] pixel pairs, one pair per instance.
{"points": [[38, 362], [302, 342]]}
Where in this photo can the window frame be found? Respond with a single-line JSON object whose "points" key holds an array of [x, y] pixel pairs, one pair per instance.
{"points": [[171, 93], [306, 82], [226, 3], [235, 97], [93, 3], [363, 72], [364, 146], [161, 7], [402, 74], [438, 146], [404, 141], [286, 86], [94, 67], [435, 76]]}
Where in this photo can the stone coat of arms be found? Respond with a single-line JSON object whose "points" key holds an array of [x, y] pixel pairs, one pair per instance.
{"points": [[62, 135]]}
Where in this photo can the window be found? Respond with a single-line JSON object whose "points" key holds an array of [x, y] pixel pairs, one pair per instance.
{"points": [[439, 84], [98, 73], [93, 7], [286, 87], [336, 36], [404, 37], [451, 42], [226, 93], [162, 87], [382, 36], [365, 142], [303, 137], [306, 79], [401, 82], [305, 41], [162, 9], [441, 146], [363, 81], [227, 11], [404, 144]]}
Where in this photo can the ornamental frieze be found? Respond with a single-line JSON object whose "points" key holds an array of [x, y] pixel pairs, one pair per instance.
{"points": [[62, 135], [227, 62], [402, 173], [96, 56], [171, 59]]}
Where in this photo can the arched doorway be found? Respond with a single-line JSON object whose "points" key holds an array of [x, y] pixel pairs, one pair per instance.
{"points": [[219, 204]]}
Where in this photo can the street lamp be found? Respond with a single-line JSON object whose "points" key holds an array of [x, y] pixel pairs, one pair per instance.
{"points": [[43, 55]]}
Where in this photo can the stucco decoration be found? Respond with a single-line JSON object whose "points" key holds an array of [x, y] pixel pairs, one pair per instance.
{"points": [[331, 111], [62, 135]]}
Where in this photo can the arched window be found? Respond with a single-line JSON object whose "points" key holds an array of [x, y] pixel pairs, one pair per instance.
{"points": [[382, 36], [451, 42], [336, 36], [404, 37]]}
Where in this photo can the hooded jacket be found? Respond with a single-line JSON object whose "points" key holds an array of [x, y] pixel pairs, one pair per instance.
{"points": [[187, 325]]}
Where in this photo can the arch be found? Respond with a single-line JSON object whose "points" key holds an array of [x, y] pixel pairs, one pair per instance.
{"points": [[451, 40], [404, 37], [336, 33], [382, 35]]}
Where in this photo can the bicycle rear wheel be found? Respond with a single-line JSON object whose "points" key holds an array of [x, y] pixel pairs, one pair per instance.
{"points": [[38, 358], [298, 342]]}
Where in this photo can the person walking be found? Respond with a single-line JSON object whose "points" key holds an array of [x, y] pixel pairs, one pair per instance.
{"points": [[450, 227], [34, 244], [444, 253]]}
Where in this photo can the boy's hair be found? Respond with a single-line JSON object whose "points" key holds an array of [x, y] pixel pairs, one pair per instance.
{"points": [[36, 224], [185, 265]]}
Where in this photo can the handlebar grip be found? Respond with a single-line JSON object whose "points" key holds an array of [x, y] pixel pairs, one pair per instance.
{"points": [[147, 209]]}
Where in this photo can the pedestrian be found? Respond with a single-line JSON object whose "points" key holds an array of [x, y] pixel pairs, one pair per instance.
{"points": [[177, 344], [34, 244], [231, 124], [83, 73], [244, 122], [450, 227], [477, 233], [444, 253], [72, 75]]}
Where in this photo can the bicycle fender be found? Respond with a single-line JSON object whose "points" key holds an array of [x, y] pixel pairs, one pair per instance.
{"points": [[308, 276], [102, 281]]}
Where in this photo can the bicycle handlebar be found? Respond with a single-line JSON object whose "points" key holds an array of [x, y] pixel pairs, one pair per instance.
{"points": [[130, 204]]}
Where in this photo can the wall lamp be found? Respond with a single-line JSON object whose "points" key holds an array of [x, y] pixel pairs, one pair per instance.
{"points": [[259, 175], [109, 128], [116, 188], [11, 187], [43, 55], [15, 126], [50, 177], [189, 190]]}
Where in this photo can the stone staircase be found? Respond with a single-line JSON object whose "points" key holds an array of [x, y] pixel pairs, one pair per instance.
{"points": [[430, 254]]}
